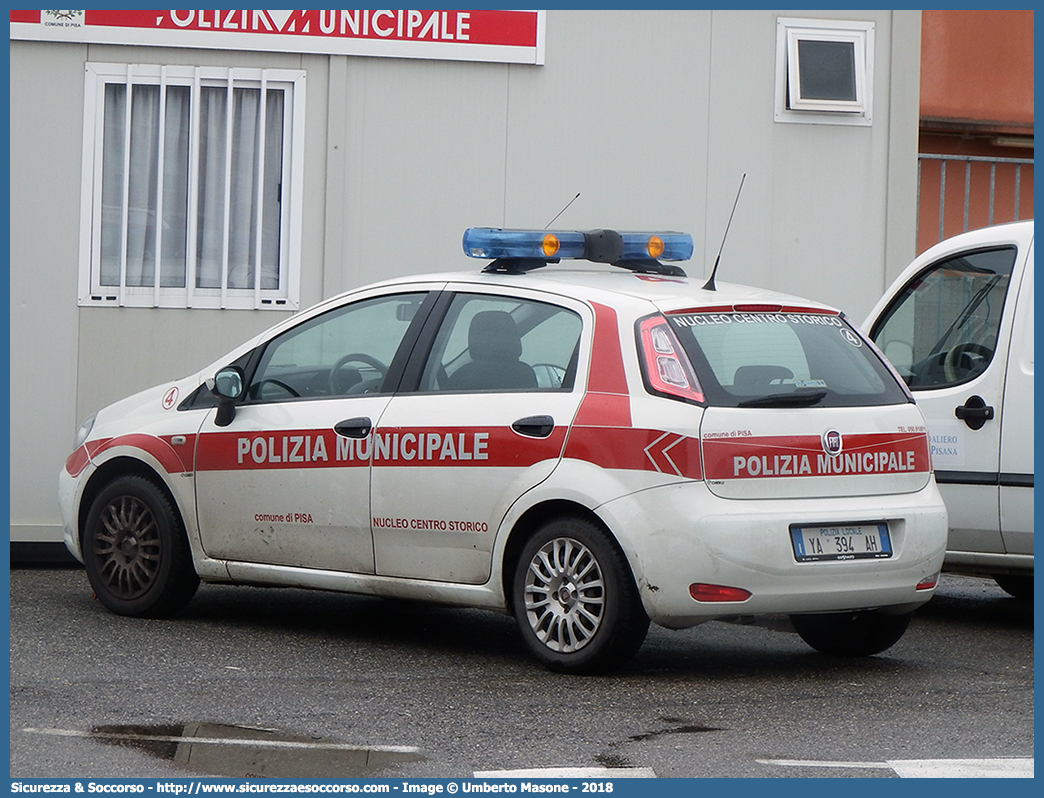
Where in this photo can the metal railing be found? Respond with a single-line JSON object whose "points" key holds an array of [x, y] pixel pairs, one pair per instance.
{"points": [[972, 190]]}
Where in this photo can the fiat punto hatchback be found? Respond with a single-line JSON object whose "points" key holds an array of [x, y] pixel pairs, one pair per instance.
{"points": [[587, 448]]}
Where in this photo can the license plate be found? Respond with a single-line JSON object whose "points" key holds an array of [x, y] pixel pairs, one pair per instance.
{"points": [[841, 542]]}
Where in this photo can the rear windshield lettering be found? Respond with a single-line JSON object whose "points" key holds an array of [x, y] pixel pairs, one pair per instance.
{"points": [[703, 319]]}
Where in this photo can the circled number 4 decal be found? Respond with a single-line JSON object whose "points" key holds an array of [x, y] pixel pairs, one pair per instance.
{"points": [[170, 398]]}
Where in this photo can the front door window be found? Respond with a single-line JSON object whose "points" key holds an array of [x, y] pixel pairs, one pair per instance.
{"points": [[942, 329]]}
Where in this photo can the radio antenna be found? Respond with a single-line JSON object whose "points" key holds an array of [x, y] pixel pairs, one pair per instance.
{"points": [[574, 199], [709, 285]]}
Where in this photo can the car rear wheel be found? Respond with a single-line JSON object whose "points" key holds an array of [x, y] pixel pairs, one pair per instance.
{"points": [[575, 599], [851, 634], [135, 551], [1017, 585]]}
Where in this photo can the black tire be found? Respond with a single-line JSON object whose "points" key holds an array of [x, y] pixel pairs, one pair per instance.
{"points": [[851, 634], [135, 551], [1018, 585], [575, 600]]}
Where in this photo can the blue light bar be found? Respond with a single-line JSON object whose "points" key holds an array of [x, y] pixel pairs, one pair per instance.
{"points": [[639, 246], [490, 242], [605, 246]]}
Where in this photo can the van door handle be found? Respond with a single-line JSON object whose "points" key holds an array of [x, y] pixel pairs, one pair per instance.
{"points": [[974, 412], [534, 426], [354, 427]]}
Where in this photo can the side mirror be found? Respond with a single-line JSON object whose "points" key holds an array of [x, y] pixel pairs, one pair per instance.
{"points": [[228, 385]]}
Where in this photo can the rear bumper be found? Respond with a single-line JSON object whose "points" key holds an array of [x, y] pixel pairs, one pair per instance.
{"points": [[682, 534]]}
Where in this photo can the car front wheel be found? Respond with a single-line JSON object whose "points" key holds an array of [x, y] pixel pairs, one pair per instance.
{"points": [[135, 551], [851, 634], [575, 599]]}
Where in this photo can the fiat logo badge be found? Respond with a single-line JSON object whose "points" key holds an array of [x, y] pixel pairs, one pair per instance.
{"points": [[832, 442]]}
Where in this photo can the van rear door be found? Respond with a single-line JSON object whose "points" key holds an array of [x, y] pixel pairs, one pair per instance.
{"points": [[1016, 448]]}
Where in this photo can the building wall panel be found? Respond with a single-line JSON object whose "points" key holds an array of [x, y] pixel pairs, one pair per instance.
{"points": [[651, 116]]}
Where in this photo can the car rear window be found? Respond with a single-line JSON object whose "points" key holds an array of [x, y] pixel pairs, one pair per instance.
{"points": [[784, 360]]}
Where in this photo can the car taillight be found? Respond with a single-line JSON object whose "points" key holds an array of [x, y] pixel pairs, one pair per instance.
{"points": [[667, 368], [928, 582], [702, 592]]}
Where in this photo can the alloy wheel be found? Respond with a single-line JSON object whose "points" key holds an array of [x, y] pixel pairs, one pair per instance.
{"points": [[564, 595], [127, 547]]}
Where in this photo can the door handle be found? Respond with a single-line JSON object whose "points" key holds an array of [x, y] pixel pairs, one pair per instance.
{"points": [[534, 426], [974, 412], [354, 427]]}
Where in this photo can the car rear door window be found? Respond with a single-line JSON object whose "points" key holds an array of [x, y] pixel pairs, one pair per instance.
{"points": [[498, 343]]}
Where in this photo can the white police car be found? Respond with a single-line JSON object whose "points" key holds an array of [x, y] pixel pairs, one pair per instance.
{"points": [[587, 448]]}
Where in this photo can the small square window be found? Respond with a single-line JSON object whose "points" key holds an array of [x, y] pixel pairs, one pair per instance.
{"points": [[824, 71]]}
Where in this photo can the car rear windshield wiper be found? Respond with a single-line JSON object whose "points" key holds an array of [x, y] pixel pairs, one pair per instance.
{"points": [[793, 399]]}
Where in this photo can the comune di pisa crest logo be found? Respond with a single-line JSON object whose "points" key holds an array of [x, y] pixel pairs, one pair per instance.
{"points": [[70, 19]]}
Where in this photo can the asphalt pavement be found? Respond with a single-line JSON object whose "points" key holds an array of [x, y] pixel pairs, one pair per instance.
{"points": [[298, 683]]}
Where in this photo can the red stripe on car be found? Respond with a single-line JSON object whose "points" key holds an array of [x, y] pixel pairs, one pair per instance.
{"points": [[636, 450], [803, 456], [485, 447], [172, 460]]}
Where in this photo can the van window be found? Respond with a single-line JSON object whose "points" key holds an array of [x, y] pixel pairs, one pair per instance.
{"points": [[942, 329]]}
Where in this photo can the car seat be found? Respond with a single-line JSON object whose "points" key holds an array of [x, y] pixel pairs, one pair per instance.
{"points": [[494, 346]]}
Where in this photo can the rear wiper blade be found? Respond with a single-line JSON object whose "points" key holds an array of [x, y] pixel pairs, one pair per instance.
{"points": [[793, 399]]}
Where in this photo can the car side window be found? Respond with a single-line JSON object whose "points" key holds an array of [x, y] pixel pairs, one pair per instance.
{"points": [[494, 343], [942, 329], [344, 352]]}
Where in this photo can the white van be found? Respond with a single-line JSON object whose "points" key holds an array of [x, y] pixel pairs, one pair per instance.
{"points": [[958, 325]]}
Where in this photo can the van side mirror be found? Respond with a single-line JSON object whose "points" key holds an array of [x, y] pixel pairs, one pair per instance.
{"points": [[228, 385], [900, 355]]}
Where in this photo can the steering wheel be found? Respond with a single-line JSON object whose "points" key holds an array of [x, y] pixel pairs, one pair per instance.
{"points": [[966, 360], [258, 389], [355, 357]]}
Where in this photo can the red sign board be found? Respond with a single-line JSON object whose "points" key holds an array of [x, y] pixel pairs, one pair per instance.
{"points": [[498, 36]]}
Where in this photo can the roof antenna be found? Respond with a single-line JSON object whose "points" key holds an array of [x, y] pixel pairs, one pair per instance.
{"points": [[709, 285], [574, 199]]}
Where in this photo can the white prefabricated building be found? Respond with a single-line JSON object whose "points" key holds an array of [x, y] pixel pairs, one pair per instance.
{"points": [[304, 153]]}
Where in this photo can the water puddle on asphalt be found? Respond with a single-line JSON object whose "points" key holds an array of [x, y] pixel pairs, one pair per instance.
{"points": [[216, 749], [688, 729]]}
